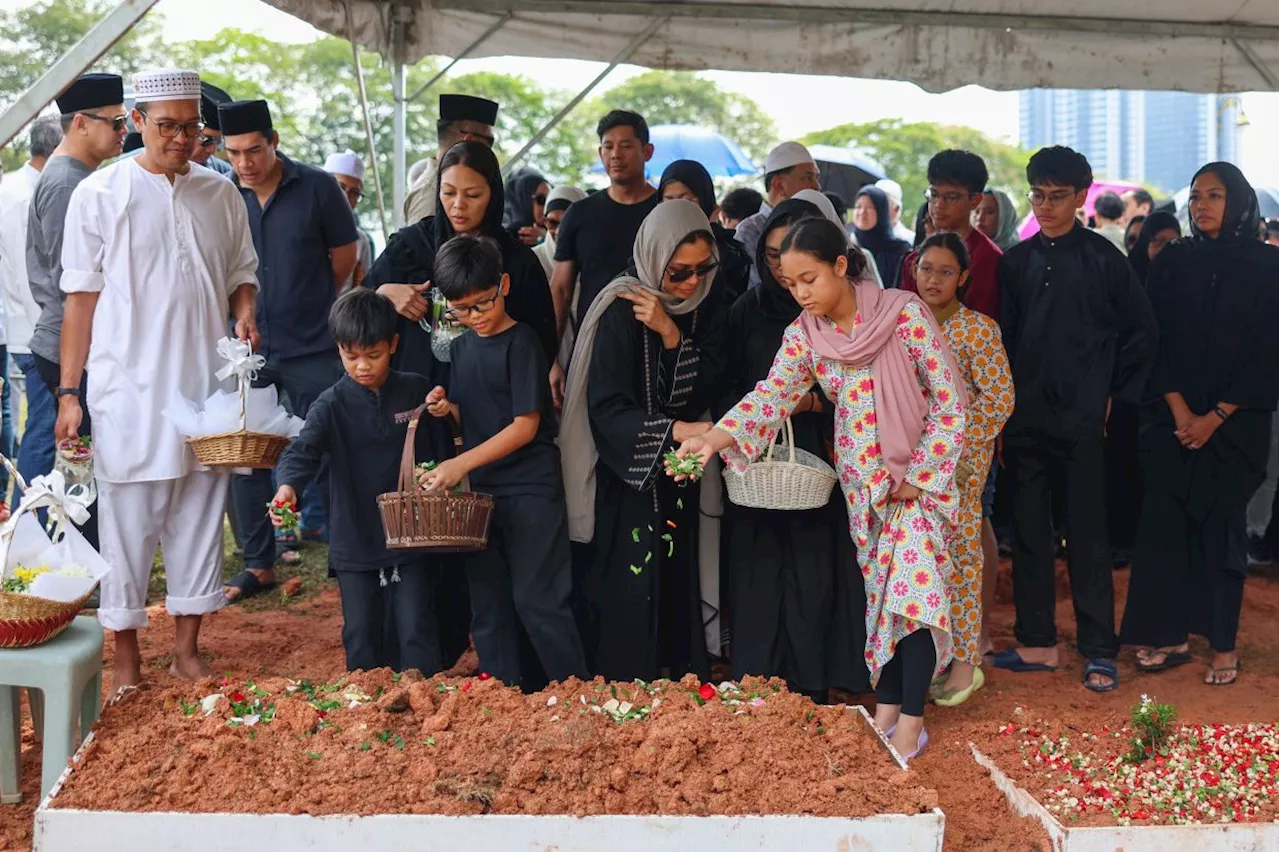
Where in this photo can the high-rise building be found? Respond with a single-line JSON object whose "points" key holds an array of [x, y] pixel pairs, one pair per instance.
{"points": [[1158, 138]]}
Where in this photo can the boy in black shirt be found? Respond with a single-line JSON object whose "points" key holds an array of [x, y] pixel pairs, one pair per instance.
{"points": [[498, 379], [360, 424]]}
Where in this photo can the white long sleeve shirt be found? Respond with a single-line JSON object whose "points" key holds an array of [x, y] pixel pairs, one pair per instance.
{"points": [[165, 259], [20, 309]]}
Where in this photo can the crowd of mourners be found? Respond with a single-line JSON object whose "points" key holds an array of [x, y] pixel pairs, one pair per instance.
{"points": [[1099, 391]]}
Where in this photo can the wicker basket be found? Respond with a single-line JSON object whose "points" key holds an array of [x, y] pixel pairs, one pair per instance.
{"points": [[802, 482], [441, 523], [26, 620], [241, 448]]}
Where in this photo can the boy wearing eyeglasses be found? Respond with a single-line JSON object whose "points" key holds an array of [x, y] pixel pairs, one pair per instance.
{"points": [[1080, 333], [499, 396], [359, 427], [956, 182]]}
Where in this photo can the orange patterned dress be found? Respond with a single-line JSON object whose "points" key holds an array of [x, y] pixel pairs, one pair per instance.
{"points": [[979, 353]]}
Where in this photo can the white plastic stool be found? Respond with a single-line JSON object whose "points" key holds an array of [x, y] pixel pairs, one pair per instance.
{"points": [[67, 670]]}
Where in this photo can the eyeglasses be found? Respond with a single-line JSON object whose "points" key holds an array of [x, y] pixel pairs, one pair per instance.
{"points": [[680, 276], [482, 307], [353, 194], [924, 270], [210, 142], [1053, 199], [540, 199], [117, 121], [170, 129], [932, 194]]}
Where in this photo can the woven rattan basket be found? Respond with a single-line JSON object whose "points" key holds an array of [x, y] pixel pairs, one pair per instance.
{"points": [[241, 448], [802, 482], [26, 620], [441, 523]]}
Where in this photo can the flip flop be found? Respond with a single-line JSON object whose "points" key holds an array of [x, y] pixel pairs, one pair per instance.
{"points": [[955, 698], [248, 584], [1213, 674], [1172, 659], [1104, 667], [1011, 660]]}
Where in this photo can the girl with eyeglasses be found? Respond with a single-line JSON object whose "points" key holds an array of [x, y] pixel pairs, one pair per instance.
{"points": [[942, 273], [899, 430], [649, 351]]}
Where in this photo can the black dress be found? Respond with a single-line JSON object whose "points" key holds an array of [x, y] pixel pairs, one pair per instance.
{"points": [[1216, 306], [641, 568]]}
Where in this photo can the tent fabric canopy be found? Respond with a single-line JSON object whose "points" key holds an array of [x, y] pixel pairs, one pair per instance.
{"points": [[1188, 45]]}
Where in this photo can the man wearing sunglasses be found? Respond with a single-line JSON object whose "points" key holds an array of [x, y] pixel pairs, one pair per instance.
{"points": [[210, 141], [462, 118], [93, 126]]}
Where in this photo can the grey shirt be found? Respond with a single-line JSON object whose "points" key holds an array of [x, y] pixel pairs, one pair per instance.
{"points": [[44, 248]]}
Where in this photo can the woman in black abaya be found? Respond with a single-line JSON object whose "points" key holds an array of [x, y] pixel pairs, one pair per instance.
{"points": [[1206, 433], [798, 611], [691, 181], [874, 232]]}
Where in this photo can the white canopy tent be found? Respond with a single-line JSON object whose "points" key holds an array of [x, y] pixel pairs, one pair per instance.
{"points": [[1189, 45]]}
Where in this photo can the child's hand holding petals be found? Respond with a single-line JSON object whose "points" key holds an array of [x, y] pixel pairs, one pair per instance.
{"points": [[444, 476]]}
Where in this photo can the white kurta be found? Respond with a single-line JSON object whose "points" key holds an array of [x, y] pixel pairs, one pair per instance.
{"points": [[20, 308], [165, 259]]}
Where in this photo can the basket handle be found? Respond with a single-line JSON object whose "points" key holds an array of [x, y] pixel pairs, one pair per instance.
{"points": [[408, 456], [791, 443]]}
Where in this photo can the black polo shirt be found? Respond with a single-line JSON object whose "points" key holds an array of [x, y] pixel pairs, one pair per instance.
{"points": [[303, 220]]}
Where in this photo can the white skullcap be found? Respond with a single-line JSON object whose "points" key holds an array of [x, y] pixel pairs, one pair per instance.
{"points": [[891, 188], [347, 163], [167, 85], [786, 156]]}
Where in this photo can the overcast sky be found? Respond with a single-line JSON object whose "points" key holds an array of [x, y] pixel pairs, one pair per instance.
{"points": [[843, 99]]}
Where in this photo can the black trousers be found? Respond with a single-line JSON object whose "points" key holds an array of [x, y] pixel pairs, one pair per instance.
{"points": [[905, 679], [402, 612], [1037, 464], [1188, 574], [524, 579], [1124, 479], [51, 375]]}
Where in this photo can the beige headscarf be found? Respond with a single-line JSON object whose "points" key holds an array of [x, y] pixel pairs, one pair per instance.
{"points": [[660, 235]]}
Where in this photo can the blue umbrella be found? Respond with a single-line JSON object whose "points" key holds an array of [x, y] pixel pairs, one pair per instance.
{"points": [[720, 156]]}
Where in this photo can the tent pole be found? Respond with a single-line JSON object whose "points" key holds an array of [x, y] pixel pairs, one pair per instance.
{"points": [[1268, 76], [71, 64], [399, 127], [625, 54], [368, 125], [467, 51]]}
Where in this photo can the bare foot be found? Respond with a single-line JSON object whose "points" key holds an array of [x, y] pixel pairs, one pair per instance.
{"points": [[126, 663], [190, 668], [906, 739], [1224, 668], [1043, 656], [886, 717]]}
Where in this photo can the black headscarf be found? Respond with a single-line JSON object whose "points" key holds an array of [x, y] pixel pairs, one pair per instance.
{"points": [[921, 215], [775, 302], [517, 211], [887, 249], [1240, 220], [410, 258], [693, 175], [1152, 225]]}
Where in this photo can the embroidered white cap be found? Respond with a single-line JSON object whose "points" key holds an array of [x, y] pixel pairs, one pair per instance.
{"points": [[347, 163], [786, 156], [169, 84]]}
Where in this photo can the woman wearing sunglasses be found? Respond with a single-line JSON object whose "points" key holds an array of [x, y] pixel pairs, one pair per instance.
{"points": [[524, 214], [648, 353]]}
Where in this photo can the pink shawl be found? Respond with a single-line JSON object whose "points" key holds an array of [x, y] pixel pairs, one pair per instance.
{"points": [[901, 407]]}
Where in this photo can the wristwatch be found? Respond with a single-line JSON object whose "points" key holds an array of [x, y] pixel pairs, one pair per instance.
{"points": [[61, 392]]}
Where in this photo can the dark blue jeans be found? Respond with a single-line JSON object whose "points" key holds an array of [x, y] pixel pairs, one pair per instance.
{"points": [[35, 451], [301, 380]]}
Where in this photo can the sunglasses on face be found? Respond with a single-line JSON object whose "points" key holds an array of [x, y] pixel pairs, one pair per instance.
{"points": [[117, 122], [540, 199], [680, 276]]}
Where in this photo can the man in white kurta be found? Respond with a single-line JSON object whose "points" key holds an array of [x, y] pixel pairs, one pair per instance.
{"points": [[157, 256]]}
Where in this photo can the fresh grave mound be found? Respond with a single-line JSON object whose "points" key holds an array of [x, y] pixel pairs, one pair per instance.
{"points": [[1150, 771], [380, 743]]}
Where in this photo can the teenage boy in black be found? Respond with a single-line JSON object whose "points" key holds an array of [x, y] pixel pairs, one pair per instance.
{"points": [[359, 424], [501, 400], [1080, 333]]}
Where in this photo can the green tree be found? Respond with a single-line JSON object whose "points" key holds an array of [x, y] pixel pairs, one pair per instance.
{"points": [[682, 97], [38, 35], [904, 150]]}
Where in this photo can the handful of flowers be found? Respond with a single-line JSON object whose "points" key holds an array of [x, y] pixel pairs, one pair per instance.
{"points": [[689, 465], [286, 512], [23, 578], [425, 468], [78, 450]]}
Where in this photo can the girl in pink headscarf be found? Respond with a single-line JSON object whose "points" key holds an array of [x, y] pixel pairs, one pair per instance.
{"points": [[899, 425]]}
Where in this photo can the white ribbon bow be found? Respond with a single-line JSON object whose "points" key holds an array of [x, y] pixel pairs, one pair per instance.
{"points": [[50, 491], [241, 360]]}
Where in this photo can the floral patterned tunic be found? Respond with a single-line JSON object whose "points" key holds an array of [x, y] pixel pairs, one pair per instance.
{"points": [[902, 545], [979, 353]]}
